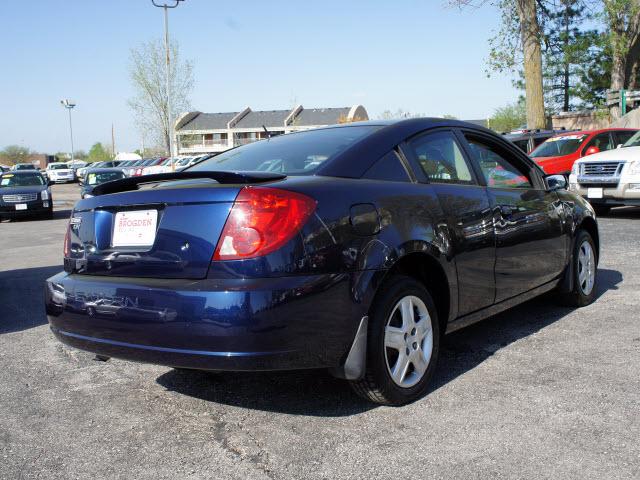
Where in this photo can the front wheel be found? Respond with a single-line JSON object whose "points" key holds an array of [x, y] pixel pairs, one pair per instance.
{"points": [[402, 345], [585, 267]]}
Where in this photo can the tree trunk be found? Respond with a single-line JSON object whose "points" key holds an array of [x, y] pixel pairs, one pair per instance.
{"points": [[530, 33], [618, 69], [624, 27], [566, 86]]}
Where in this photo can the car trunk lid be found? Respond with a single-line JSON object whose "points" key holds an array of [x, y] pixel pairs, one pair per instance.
{"points": [[163, 226]]}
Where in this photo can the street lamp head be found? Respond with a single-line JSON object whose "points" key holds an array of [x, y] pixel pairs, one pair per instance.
{"points": [[168, 4], [66, 103]]}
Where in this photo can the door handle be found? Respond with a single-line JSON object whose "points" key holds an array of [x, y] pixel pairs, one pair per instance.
{"points": [[506, 210]]}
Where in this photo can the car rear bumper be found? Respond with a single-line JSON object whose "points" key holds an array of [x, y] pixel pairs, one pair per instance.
{"points": [[235, 324]]}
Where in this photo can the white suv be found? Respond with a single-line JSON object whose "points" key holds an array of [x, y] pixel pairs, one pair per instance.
{"points": [[60, 173], [609, 179]]}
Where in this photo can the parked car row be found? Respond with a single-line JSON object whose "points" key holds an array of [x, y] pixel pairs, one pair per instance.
{"points": [[601, 165]]}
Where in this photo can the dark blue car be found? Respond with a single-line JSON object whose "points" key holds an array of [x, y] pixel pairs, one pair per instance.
{"points": [[353, 248]]}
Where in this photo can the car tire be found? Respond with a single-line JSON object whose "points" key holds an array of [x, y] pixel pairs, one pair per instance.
{"points": [[601, 209], [393, 341], [585, 266]]}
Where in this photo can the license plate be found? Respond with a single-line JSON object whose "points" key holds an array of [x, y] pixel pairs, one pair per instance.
{"points": [[594, 192], [135, 229], [21, 206]]}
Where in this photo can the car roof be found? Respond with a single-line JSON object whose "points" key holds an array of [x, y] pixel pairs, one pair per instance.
{"points": [[105, 170], [351, 162], [596, 131], [23, 172]]}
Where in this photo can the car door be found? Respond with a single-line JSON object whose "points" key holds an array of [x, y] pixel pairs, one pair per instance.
{"points": [[438, 160], [531, 247]]}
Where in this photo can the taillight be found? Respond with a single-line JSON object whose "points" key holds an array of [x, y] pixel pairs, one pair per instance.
{"points": [[261, 221], [67, 243]]}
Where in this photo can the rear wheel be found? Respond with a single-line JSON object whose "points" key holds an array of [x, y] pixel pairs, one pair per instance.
{"points": [[402, 345], [585, 267]]}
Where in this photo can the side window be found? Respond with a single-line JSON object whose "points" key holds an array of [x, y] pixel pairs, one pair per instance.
{"points": [[497, 165], [389, 168], [602, 141], [538, 140], [441, 159], [622, 136]]}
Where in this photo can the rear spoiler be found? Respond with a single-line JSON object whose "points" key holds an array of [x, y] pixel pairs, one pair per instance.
{"points": [[132, 183]]}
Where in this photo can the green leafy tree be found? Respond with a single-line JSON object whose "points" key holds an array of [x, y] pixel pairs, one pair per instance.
{"points": [[517, 47], [509, 117], [569, 50], [13, 154], [622, 18], [98, 153]]}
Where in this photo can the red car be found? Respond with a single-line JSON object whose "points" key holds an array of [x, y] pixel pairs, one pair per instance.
{"points": [[557, 154]]}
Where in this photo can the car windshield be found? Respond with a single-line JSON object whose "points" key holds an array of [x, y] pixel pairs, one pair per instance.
{"points": [[96, 165], [633, 141], [559, 146], [96, 178], [58, 166], [293, 154], [22, 180], [24, 166]]}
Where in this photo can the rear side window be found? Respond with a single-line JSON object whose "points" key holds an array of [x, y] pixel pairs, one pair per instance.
{"points": [[441, 159], [623, 136], [388, 168], [602, 141], [498, 167]]}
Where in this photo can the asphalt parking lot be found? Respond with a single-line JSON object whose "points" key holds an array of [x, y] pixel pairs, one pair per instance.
{"points": [[539, 391]]}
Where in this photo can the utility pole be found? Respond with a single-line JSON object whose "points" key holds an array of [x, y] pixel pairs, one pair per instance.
{"points": [[69, 104], [113, 142], [166, 6]]}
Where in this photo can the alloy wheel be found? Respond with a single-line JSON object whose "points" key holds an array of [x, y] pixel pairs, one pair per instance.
{"points": [[408, 341], [586, 267]]}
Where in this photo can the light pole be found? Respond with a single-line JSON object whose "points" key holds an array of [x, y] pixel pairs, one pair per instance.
{"points": [[69, 104], [166, 6]]}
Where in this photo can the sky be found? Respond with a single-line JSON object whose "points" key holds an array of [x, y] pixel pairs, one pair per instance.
{"points": [[421, 56]]}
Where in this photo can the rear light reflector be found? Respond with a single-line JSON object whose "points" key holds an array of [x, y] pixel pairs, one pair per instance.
{"points": [[67, 243], [261, 221]]}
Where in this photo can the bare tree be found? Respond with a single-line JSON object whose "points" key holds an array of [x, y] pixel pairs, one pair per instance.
{"points": [[148, 72]]}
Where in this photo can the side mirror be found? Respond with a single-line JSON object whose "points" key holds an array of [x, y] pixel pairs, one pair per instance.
{"points": [[592, 150], [556, 182]]}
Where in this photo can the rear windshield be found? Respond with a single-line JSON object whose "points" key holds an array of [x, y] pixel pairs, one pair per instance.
{"points": [[10, 180], [101, 177], [293, 154], [24, 166], [559, 146]]}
